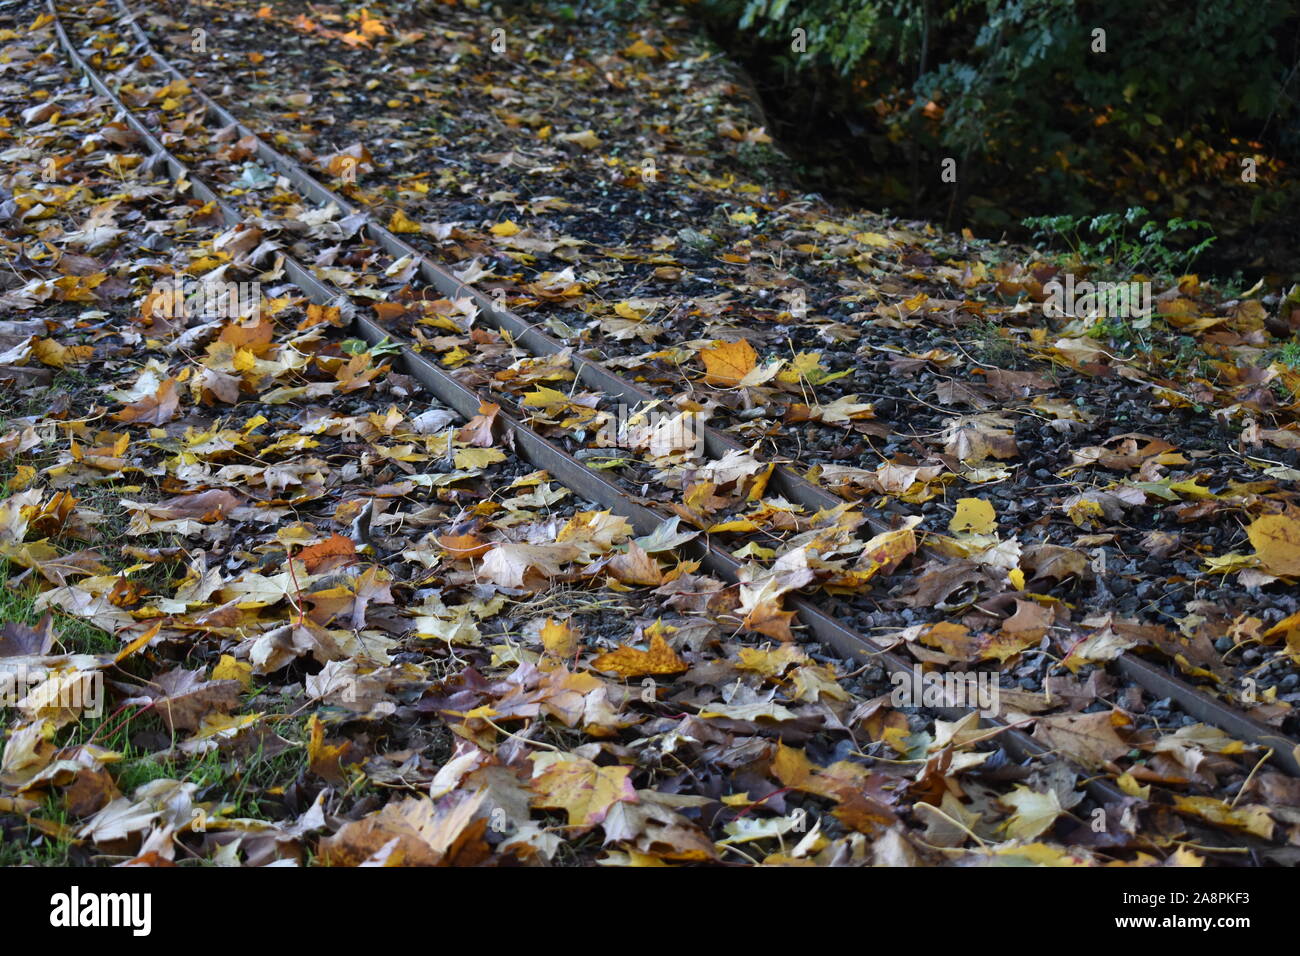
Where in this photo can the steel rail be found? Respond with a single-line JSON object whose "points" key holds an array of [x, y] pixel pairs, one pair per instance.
{"points": [[595, 376], [568, 470], [590, 372]]}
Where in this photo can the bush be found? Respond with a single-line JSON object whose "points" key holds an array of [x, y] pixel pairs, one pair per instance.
{"points": [[1028, 95]]}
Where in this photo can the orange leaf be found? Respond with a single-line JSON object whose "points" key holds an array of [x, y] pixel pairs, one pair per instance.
{"points": [[636, 567], [478, 431], [560, 639], [51, 353], [728, 362], [255, 338], [464, 546], [138, 643], [769, 619], [630, 662], [388, 311], [334, 552], [157, 409], [325, 760]]}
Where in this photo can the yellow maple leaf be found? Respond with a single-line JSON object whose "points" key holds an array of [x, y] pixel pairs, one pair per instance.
{"points": [[630, 662], [324, 759], [230, 669], [1277, 542], [1251, 818], [560, 639], [889, 547], [56, 355], [582, 789], [640, 49], [402, 223], [728, 362], [586, 139], [975, 515], [628, 311], [872, 239], [478, 457], [771, 663]]}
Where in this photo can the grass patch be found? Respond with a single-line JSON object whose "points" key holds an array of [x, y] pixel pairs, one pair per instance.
{"points": [[30, 844], [73, 635], [992, 346], [1289, 355]]}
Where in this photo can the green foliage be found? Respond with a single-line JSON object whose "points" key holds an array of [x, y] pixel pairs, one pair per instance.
{"points": [[1125, 243], [380, 349], [568, 12], [988, 62], [74, 635], [837, 33], [1289, 355], [992, 346], [1039, 109]]}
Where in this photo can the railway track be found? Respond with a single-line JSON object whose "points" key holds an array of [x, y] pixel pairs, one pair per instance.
{"points": [[1159, 681], [609, 491], [570, 472]]}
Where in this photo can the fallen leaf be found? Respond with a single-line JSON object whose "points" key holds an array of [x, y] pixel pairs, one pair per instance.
{"points": [[631, 662]]}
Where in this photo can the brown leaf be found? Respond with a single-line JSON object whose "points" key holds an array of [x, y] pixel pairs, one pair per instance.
{"points": [[91, 791], [1088, 739], [768, 618], [413, 832], [636, 567], [183, 698], [979, 437], [478, 431], [157, 409], [17, 639], [207, 506], [212, 384]]}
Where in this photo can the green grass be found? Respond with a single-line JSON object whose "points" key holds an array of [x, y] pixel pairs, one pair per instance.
{"points": [[1289, 355], [28, 845], [24, 403], [1122, 244], [72, 634], [992, 346], [245, 784], [241, 784], [238, 781]]}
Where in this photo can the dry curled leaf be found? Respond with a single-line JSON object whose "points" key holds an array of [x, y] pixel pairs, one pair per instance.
{"points": [[631, 662]]}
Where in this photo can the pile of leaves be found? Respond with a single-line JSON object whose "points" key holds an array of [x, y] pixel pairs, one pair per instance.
{"points": [[328, 621]]}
